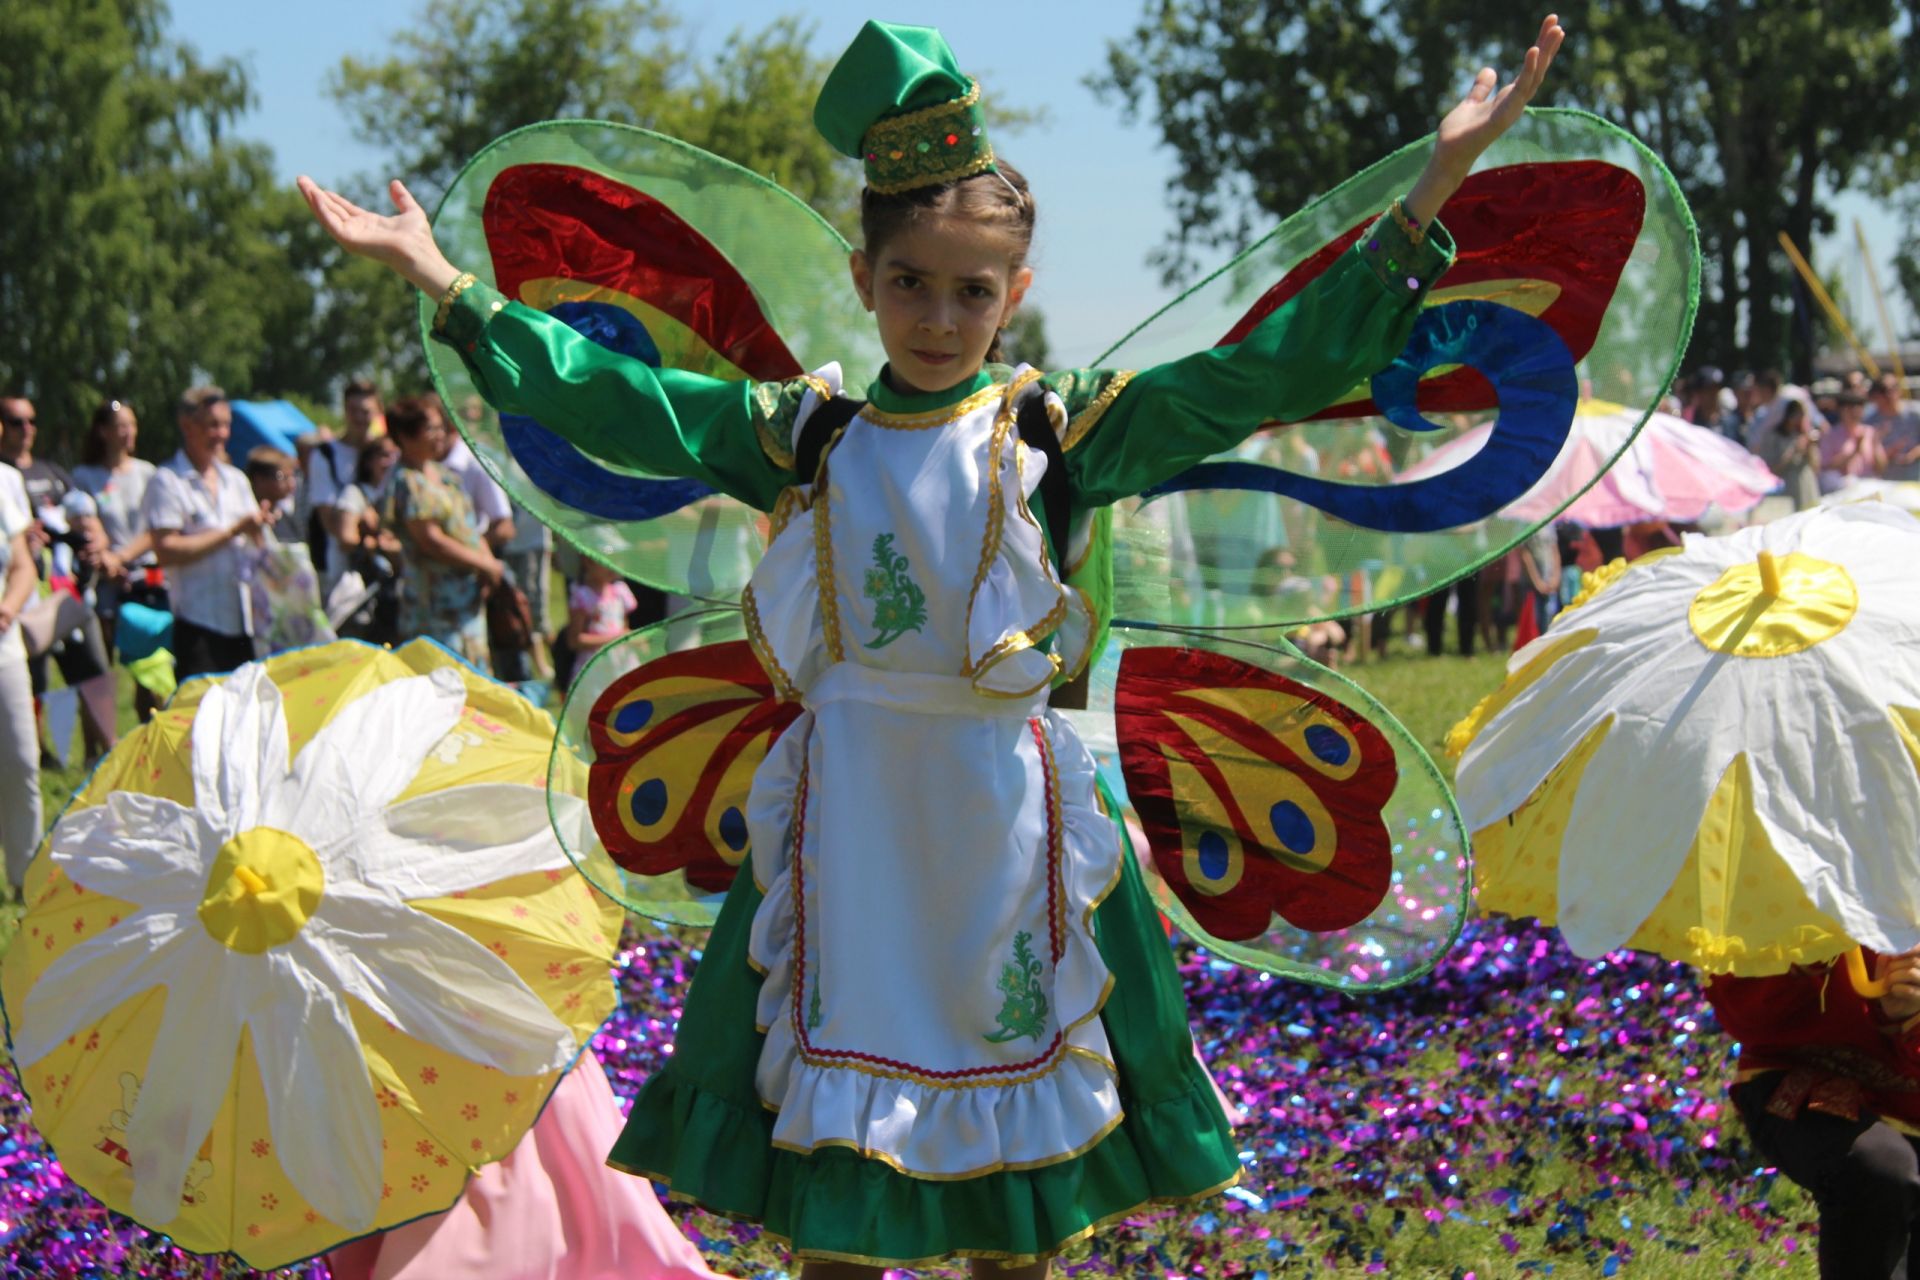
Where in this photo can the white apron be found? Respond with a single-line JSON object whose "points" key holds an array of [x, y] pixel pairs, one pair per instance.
{"points": [[927, 836]]}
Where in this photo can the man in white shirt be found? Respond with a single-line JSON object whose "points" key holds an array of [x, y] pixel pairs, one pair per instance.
{"points": [[329, 471], [491, 510], [203, 515], [20, 814]]}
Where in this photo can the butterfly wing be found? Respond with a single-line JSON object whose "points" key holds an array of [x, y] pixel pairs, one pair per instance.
{"points": [[673, 256], [1577, 267], [661, 735], [1291, 822]]}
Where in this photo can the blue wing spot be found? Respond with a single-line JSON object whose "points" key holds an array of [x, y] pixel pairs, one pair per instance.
{"points": [[1532, 373], [632, 717], [1214, 861], [1292, 826], [1327, 745], [733, 829], [649, 803], [565, 473]]}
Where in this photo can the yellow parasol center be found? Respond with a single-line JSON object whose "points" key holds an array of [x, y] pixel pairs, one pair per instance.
{"points": [[264, 886], [1774, 607]]}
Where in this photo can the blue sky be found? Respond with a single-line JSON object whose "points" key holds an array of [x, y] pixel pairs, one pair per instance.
{"points": [[1101, 184]]}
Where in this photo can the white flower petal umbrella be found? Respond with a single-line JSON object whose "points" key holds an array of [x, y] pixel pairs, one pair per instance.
{"points": [[324, 974], [1717, 755]]}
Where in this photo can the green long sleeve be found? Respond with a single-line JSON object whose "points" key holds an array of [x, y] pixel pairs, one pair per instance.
{"points": [[732, 435], [1127, 433]]}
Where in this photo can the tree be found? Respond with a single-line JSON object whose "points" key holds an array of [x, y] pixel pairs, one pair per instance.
{"points": [[472, 70], [130, 259], [1761, 107], [1024, 341]]}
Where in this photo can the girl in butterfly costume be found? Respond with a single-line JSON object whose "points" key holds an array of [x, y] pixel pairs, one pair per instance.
{"points": [[939, 1018]]}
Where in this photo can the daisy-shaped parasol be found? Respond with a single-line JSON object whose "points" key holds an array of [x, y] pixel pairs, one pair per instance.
{"points": [[306, 952], [1714, 753]]}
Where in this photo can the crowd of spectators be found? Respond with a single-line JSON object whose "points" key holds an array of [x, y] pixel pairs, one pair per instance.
{"points": [[1818, 439], [385, 529]]}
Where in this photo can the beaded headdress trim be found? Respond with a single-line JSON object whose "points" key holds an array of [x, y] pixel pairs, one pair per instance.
{"points": [[942, 143]]}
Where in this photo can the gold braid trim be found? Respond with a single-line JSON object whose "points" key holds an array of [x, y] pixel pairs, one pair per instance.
{"points": [[789, 504], [823, 577], [996, 511], [893, 1162], [932, 417], [1089, 418], [941, 143], [461, 283], [1030, 636], [771, 444], [883, 130], [783, 686], [1010, 1259]]}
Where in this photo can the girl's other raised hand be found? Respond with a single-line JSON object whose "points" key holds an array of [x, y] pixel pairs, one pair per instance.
{"points": [[1480, 118], [402, 240]]}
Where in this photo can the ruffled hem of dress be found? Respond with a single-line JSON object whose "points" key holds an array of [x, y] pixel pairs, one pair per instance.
{"points": [[835, 1205], [1046, 1114]]}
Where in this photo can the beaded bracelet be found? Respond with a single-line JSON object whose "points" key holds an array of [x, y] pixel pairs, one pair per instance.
{"points": [[1407, 223], [454, 290]]}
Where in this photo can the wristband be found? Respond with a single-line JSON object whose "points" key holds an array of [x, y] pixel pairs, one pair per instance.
{"points": [[1407, 222], [459, 286]]}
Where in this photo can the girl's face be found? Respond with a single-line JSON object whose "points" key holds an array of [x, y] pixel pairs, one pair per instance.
{"points": [[381, 459], [126, 429], [939, 290]]}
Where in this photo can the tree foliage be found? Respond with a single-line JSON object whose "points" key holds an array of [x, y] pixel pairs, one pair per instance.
{"points": [[1761, 107], [131, 259], [475, 69], [146, 248]]}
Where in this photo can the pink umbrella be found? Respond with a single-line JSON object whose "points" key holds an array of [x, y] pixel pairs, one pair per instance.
{"points": [[1672, 470]]}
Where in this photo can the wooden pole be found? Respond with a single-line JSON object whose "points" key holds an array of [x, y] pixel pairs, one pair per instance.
{"points": [[1880, 301], [1819, 292]]}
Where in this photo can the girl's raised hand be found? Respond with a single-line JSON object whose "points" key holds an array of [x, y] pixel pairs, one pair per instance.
{"points": [[1481, 117], [403, 240]]}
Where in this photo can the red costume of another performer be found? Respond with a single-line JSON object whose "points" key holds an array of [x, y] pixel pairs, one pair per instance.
{"points": [[1829, 1088]]}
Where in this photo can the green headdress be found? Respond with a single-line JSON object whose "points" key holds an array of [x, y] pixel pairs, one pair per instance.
{"points": [[898, 102]]}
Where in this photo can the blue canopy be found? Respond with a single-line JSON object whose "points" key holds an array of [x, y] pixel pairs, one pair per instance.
{"points": [[274, 423]]}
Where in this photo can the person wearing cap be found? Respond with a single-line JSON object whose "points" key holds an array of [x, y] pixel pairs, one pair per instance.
{"points": [[936, 1017]]}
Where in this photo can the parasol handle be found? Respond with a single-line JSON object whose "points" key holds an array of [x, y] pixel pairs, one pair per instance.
{"points": [[1769, 575], [1857, 974]]}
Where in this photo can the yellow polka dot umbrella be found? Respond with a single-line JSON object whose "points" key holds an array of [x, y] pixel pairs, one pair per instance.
{"points": [[1714, 753], [305, 952]]}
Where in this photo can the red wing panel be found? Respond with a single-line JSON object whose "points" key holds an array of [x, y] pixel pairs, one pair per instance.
{"points": [[675, 746], [1258, 795], [1563, 227], [556, 221]]}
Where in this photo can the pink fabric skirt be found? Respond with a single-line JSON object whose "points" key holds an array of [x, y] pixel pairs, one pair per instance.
{"points": [[551, 1210]]}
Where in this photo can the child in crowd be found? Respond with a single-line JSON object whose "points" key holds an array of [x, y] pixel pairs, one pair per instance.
{"points": [[597, 609]]}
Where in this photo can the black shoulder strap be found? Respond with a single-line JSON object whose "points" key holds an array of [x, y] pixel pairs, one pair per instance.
{"points": [[1056, 500], [818, 431]]}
